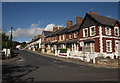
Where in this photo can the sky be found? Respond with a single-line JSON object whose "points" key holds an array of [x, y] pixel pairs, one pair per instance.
{"points": [[29, 19]]}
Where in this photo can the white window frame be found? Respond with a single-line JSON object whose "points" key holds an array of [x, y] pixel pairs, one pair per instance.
{"points": [[110, 46], [106, 30], [70, 36], [91, 31], [63, 37], [84, 32], [60, 37], [75, 35], [118, 31]]}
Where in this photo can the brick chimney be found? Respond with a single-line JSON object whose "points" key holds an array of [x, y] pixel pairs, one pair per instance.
{"points": [[69, 23], [93, 13], [55, 28], [79, 20]]}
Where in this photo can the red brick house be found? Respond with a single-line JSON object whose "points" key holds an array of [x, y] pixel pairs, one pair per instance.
{"points": [[100, 34], [93, 34]]}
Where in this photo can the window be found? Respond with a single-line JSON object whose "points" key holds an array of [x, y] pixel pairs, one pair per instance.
{"points": [[59, 37], [75, 35], [70, 36], [85, 32], [63, 37], [108, 30], [116, 31], [108, 45], [92, 31]]}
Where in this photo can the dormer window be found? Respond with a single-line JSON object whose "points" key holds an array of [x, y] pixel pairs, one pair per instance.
{"points": [[116, 31], [92, 31], [85, 32], [70, 36], [108, 30]]}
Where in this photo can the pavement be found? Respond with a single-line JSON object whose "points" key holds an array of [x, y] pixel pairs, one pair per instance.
{"points": [[35, 67]]}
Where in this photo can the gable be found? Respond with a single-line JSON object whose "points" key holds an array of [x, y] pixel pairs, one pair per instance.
{"points": [[88, 21]]}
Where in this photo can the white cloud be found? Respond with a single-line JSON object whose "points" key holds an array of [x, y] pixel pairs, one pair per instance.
{"points": [[27, 32], [49, 27]]}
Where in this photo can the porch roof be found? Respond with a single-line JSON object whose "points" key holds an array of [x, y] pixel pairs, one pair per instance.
{"points": [[61, 42], [89, 40], [72, 41]]}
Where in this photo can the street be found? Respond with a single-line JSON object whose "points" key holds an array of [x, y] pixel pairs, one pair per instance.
{"points": [[35, 67]]}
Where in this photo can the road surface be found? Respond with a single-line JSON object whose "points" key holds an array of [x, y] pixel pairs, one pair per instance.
{"points": [[35, 67]]}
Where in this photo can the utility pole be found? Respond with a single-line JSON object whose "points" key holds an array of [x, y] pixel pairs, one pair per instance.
{"points": [[11, 37], [11, 34]]}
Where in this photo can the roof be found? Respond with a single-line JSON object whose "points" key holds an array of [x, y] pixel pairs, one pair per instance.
{"points": [[56, 32], [103, 20], [73, 28], [46, 33], [63, 31]]}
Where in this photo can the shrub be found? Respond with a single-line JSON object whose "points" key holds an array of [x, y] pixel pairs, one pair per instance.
{"points": [[62, 50]]}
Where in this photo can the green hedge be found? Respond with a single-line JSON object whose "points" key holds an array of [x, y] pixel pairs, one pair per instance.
{"points": [[62, 50]]}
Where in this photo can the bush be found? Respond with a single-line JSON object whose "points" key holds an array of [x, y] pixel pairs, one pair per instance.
{"points": [[62, 50]]}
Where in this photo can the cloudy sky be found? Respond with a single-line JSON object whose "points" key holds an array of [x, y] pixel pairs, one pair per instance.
{"points": [[31, 18]]}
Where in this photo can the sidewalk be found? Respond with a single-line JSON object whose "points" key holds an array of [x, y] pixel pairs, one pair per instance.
{"points": [[78, 61], [11, 59]]}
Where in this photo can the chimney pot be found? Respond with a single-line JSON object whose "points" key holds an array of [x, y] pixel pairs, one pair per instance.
{"points": [[79, 20], [93, 13], [69, 23]]}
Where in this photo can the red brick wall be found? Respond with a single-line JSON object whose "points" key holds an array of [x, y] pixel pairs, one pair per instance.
{"points": [[97, 45], [96, 31]]}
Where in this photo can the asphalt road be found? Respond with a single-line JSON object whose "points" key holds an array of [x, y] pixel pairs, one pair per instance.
{"points": [[34, 67]]}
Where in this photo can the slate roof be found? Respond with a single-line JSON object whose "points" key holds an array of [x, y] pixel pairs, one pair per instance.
{"points": [[104, 20], [73, 28], [63, 31], [46, 33]]}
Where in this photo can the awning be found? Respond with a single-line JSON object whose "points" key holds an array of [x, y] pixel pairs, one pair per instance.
{"points": [[72, 41], [89, 41]]}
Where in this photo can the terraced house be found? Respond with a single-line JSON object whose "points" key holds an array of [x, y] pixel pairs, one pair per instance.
{"points": [[92, 35]]}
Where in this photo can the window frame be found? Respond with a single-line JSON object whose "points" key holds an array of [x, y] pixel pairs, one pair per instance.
{"points": [[75, 34], [106, 28], [117, 31], [84, 32], [110, 46], [91, 31], [70, 36]]}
